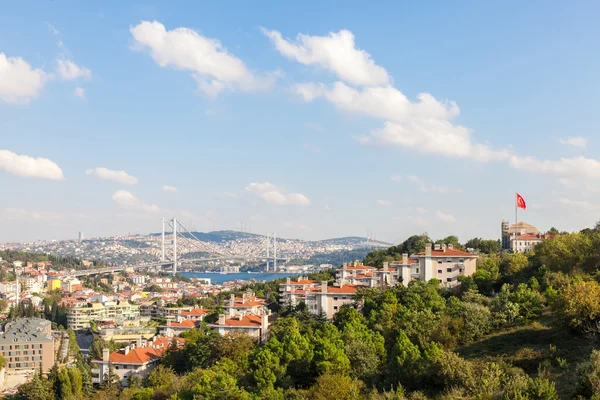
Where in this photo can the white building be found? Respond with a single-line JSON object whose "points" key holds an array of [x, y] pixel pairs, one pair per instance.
{"points": [[136, 359]]}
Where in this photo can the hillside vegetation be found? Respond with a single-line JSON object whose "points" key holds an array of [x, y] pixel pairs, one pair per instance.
{"points": [[522, 327]]}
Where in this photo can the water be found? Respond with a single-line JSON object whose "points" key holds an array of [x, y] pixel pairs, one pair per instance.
{"points": [[218, 278]]}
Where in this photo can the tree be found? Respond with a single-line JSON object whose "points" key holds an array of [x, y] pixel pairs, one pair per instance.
{"points": [[153, 288], [579, 305], [336, 387], [553, 231], [160, 376], [588, 375]]}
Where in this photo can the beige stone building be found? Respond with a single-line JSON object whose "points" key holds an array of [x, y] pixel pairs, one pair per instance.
{"points": [[27, 344], [80, 317]]}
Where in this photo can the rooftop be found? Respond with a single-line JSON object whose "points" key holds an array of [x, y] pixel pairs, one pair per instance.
{"points": [[27, 330]]}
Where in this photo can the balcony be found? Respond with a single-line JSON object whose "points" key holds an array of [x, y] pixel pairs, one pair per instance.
{"points": [[95, 380], [96, 371]]}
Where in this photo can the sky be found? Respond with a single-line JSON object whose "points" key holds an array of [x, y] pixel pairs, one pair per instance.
{"points": [[309, 119]]}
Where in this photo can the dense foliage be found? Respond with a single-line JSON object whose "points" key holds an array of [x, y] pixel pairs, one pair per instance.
{"points": [[524, 326]]}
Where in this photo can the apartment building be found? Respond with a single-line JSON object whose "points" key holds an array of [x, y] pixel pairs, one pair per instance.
{"points": [[138, 358], [443, 262], [27, 344], [248, 304], [80, 317], [256, 326], [527, 242], [291, 293], [176, 327], [70, 284]]}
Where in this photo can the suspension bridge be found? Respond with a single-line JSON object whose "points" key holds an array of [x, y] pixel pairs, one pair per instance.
{"points": [[178, 233]]}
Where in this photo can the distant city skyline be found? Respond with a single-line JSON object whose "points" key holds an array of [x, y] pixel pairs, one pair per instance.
{"points": [[312, 123]]}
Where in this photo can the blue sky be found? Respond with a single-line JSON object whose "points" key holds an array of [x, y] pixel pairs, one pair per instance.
{"points": [[400, 118]]}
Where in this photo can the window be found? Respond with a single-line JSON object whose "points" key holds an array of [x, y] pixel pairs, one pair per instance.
{"points": [[448, 260], [461, 260], [439, 271], [417, 270], [335, 298], [335, 307], [440, 261], [448, 279], [448, 269], [460, 270]]}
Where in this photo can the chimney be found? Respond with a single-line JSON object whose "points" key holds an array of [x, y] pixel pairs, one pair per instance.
{"points": [[444, 247], [450, 246], [221, 319], [324, 287], [385, 266], [437, 246], [288, 280], [126, 350], [232, 300], [428, 250], [405, 259], [105, 354], [168, 322]]}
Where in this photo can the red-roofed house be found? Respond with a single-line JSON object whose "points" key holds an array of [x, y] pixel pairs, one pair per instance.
{"points": [[444, 263], [176, 327], [248, 304], [136, 359], [256, 326], [526, 242]]}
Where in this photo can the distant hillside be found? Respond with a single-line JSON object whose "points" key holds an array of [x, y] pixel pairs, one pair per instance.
{"points": [[225, 236]]}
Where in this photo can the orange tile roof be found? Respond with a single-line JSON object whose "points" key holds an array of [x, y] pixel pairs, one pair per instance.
{"points": [[531, 237], [247, 320], [448, 253], [359, 267], [410, 261], [143, 355], [195, 311], [186, 323], [344, 289], [302, 282]]}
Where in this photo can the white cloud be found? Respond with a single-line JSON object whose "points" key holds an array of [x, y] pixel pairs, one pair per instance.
{"points": [[277, 195], [424, 126], [579, 204], [79, 92], [209, 63], [19, 82], [445, 217], [167, 188], [425, 187], [121, 177], [383, 203], [574, 168], [68, 70], [21, 214], [575, 141], [127, 200], [230, 195], [336, 52], [29, 167]]}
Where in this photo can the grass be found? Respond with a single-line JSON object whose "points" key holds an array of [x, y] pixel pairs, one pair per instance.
{"points": [[530, 345]]}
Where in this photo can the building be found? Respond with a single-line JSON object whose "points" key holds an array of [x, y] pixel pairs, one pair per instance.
{"points": [[256, 326], [27, 344], [510, 231], [70, 284], [138, 358], [176, 327], [444, 263], [527, 242], [80, 317], [327, 300], [291, 293], [248, 304], [138, 279], [80, 236]]}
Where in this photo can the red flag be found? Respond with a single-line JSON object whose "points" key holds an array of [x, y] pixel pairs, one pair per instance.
{"points": [[521, 202]]}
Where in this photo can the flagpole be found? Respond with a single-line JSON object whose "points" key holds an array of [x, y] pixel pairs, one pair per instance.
{"points": [[516, 222]]}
